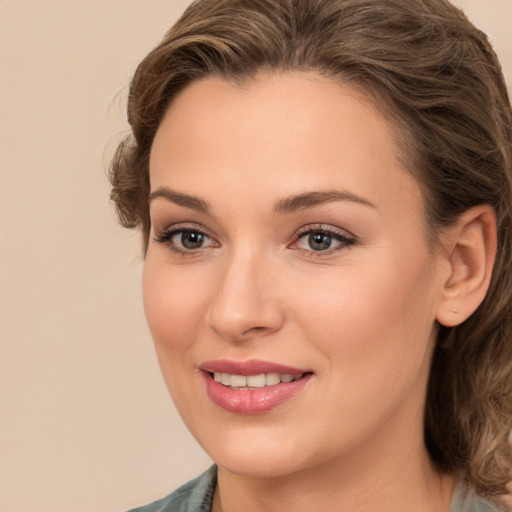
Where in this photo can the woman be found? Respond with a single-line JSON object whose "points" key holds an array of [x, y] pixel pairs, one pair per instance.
{"points": [[324, 191]]}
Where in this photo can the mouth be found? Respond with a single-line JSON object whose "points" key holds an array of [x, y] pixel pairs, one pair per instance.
{"points": [[259, 381], [252, 387]]}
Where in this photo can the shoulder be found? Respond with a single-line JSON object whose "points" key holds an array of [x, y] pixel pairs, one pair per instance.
{"points": [[464, 500], [194, 496]]}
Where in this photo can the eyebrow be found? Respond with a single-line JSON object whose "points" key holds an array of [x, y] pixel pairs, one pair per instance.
{"points": [[283, 206], [311, 199], [192, 202]]}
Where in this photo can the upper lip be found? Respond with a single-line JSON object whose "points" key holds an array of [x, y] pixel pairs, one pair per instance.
{"points": [[251, 367]]}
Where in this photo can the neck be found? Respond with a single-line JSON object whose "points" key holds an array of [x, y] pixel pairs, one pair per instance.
{"points": [[379, 476]]}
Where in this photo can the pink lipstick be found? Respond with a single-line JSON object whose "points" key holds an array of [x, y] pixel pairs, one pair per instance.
{"points": [[252, 387]]}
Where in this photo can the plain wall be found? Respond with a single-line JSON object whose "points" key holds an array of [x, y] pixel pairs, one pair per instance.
{"points": [[86, 424]]}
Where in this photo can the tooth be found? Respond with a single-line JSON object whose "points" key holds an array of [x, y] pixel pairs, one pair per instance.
{"points": [[238, 381], [256, 381], [271, 379]]}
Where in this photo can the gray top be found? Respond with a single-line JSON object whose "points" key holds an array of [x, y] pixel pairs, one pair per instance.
{"points": [[197, 496], [194, 496], [466, 501]]}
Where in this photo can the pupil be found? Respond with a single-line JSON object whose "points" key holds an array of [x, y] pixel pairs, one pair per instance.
{"points": [[192, 240], [319, 241]]}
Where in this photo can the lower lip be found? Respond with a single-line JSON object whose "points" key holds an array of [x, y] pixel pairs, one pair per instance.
{"points": [[255, 400]]}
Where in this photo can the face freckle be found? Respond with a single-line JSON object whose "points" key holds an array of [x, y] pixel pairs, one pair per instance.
{"points": [[285, 230]]}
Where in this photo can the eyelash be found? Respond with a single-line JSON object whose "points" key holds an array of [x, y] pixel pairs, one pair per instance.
{"points": [[166, 237], [344, 240]]}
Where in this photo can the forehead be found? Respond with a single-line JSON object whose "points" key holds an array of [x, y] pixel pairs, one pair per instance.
{"points": [[290, 131]]}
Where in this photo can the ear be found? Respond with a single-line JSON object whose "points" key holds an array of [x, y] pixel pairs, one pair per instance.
{"points": [[470, 249]]}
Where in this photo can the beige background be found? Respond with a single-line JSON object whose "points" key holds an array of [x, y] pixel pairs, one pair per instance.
{"points": [[85, 421]]}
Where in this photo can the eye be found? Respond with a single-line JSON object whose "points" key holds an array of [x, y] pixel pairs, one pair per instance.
{"points": [[319, 241], [185, 241], [189, 239], [322, 240]]}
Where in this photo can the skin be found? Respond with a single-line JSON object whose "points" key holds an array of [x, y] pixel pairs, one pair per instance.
{"points": [[361, 317]]}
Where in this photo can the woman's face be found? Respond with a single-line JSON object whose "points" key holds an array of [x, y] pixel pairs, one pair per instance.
{"points": [[288, 242]]}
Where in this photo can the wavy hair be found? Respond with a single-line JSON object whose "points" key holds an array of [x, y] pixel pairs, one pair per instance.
{"points": [[438, 80]]}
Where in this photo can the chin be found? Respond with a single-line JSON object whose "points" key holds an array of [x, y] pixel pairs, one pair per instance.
{"points": [[254, 452], [259, 465]]}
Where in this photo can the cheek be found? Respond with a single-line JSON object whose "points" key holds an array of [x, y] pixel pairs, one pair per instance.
{"points": [[371, 320], [172, 304]]}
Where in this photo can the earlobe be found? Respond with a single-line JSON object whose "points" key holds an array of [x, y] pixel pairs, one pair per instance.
{"points": [[470, 251]]}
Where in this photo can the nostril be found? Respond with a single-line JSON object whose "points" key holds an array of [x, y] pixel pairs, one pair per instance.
{"points": [[241, 316], [255, 329]]}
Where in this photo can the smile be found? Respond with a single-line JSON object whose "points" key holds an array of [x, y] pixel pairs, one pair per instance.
{"points": [[254, 381], [252, 387]]}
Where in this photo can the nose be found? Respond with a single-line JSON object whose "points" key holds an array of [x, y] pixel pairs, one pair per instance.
{"points": [[245, 304]]}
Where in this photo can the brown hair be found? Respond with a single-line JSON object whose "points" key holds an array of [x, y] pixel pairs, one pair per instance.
{"points": [[423, 61]]}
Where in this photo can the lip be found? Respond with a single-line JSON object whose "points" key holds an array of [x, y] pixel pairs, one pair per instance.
{"points": [[256, 400], [251, 367]]}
